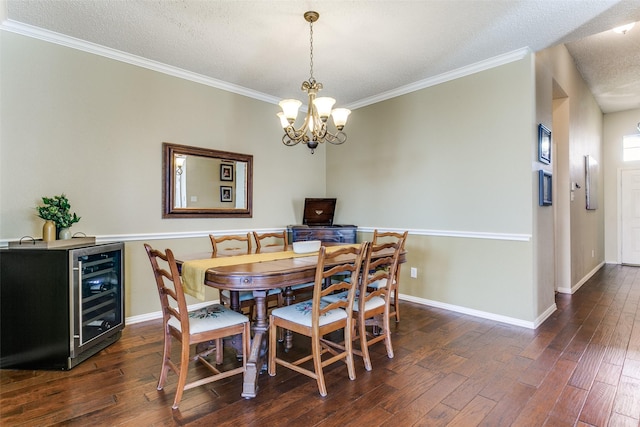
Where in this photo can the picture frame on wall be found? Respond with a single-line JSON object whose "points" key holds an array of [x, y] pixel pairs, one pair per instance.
{"points": [[544, 144], [226, 193], [226, 172], [544, 187], [591, 182]]}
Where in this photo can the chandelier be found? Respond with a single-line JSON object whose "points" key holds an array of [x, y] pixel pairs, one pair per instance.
{"points": [[314, 129]]}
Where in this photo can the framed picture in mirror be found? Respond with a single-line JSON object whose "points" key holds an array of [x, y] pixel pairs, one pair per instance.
{"points": [[226, 193], [226, 172]]}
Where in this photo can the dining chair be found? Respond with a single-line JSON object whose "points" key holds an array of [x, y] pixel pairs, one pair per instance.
{"points": [[372, 306], [270, 240], [381, 237], [316, 318], [238, 245], [210, 323]]}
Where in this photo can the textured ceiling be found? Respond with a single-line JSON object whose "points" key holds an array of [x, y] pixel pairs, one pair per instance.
{"points": [[363, 50]]}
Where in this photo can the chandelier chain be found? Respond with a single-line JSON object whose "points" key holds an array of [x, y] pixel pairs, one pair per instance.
{"points": [[311, 79]]}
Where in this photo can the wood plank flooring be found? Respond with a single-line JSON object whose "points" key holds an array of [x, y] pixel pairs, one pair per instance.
{"points": [[580, 368]]}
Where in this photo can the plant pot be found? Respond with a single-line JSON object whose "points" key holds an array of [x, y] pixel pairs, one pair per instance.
{"points": [[48, 231], [64, 234]]}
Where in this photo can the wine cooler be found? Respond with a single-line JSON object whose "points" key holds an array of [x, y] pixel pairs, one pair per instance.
{"points": [[59, 306]]}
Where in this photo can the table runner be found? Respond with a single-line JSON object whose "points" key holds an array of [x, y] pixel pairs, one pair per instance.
{"points": [[194, 272]]}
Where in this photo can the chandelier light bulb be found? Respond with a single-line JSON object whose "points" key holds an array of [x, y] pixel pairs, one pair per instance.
{"points": [[283, 120], [290, 109], [324, 105], [340, 116]]}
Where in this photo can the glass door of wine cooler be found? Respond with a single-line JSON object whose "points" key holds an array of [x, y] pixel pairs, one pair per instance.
{"points": [[100, 303]]}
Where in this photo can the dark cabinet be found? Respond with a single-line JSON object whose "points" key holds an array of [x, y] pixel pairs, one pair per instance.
{"points": [[59, 306], [330, 233]]}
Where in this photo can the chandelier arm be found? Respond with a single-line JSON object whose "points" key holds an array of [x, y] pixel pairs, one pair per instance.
{"points": [[294, 134], [337, 138], [321, 132], [288, 141]]}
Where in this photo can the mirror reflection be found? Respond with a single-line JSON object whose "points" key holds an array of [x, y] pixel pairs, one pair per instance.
{"points": [[201, 182]]}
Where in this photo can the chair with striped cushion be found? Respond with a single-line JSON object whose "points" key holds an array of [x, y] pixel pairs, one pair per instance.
{"points": [[316, 319], [390, 236], [210, 323]]}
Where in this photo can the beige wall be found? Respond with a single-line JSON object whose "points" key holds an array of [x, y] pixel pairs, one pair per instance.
{"points": [[455, 163], [93, 128], [451, 163], [584, 138], [616, 126]]}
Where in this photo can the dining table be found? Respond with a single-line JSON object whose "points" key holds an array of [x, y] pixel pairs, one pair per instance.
{"points": [[236, 271]]}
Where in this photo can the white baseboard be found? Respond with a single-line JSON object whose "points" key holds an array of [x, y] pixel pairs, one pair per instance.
{"points": [[482, 314], [572, 290], [422, 301]]}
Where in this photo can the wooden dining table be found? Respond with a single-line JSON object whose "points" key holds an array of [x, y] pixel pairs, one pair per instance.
{"points": [[259, 277]]}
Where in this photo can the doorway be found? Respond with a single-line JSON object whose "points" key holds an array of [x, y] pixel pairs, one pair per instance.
{"points": [[561, 190], [630, 216]]}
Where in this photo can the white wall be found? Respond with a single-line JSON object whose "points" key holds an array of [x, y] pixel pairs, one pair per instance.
{"points": [[616, 126]]}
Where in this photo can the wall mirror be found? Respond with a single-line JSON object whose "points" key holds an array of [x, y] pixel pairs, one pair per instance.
{"points": [[205, 183]]}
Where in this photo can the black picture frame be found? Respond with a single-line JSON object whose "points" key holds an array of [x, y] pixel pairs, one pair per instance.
{"points": [[545, 181], [226, 172], [544, 144], [226, 193]]}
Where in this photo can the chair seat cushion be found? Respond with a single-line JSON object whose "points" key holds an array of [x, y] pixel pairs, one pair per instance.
{"points": [[300, 313], [374, 302], [303, 285], [382, 283], [247, 295], [209, 318]]}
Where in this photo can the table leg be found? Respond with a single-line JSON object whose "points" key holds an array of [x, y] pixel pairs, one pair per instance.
{"points": [[288, 335], [258, 349], [235, 301]]}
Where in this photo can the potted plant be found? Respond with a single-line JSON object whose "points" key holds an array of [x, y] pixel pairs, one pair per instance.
{"points": [[57, 210]]}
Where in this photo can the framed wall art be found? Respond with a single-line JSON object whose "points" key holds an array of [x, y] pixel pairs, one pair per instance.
{"points": [[544, 144], [226, 193], [226, 172], [544, 188], [591, 182]]}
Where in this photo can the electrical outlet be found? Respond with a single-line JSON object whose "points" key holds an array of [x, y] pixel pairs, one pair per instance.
{"points": [[414, 273], [593, 253]]}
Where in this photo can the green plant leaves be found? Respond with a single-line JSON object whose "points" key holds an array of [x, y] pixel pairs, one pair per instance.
{"points": [[57, 209]]}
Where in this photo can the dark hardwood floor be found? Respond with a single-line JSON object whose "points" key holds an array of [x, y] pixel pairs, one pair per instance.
{"points": [[580, 368]]}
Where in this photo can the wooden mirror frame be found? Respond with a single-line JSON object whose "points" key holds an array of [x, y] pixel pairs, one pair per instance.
{"points": [[169, 152]]}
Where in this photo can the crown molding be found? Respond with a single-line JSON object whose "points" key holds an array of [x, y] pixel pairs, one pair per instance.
{"points": [[487, 64], [85, 46]]}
